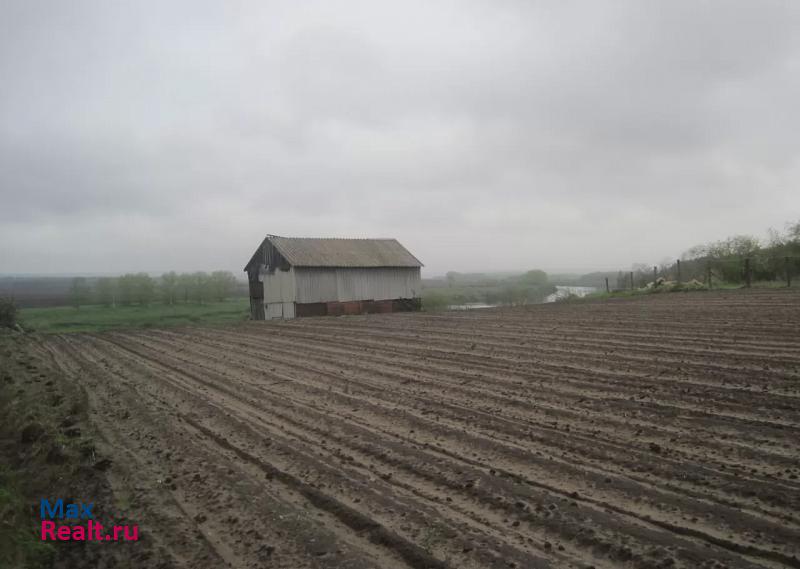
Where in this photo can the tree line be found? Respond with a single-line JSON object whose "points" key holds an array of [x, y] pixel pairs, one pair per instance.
{"points": [[743, 256], [731, 260], [142, 289], [465, 288]]}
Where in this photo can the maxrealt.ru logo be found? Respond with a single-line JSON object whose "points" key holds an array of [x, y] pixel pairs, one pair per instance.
{"points": [[86, 528]]}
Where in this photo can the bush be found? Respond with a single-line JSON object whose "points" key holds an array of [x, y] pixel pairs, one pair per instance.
{"points": [[8, 313], [434, 301]]}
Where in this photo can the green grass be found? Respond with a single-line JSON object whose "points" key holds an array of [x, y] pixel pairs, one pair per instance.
{"points": [[679, 288], [638, 292], [20, 546], [63, 319]]}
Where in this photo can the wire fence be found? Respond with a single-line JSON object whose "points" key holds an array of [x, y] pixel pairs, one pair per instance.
{"points": [[709, 273]]}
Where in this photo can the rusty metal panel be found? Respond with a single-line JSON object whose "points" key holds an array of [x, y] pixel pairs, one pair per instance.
{"points": [[311, 309], [344, 308], [353, 307], [336, 308]]}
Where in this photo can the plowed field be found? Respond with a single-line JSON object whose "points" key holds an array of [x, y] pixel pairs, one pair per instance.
{"points": [[660, 431]]}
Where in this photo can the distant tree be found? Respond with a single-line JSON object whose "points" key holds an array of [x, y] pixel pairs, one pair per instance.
{"points": [[535, 277], [696, 252], [736, 246], [222, 284], [169, 287], [126, 286], [144, 289], [513, 295], [451, 278], [776, 239], [793, 232], [105, 291], [786, 243], [79, 292], [136, 288], [201, 287], [186, 286]]}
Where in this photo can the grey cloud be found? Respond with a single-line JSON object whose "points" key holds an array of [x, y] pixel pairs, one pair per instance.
{"points": [[549, 134]]}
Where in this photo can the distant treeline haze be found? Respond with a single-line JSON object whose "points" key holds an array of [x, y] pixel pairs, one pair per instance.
{"points": [[467, 288], [142, 289]]}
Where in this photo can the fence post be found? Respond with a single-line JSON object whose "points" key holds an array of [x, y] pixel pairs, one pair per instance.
{"points": [[788, 272], [631, 280], [708, 274], [607, 289], [655, 275], [747, 277], [679, 271]]}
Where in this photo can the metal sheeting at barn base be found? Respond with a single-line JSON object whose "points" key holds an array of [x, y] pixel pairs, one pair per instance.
{"points": [[358, 307], [279, 310]]}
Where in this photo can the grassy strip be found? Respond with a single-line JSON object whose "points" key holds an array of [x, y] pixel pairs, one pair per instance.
{"points": [[48, 450], [28, 434], [19, 543], [97, 318], [671, 288]]}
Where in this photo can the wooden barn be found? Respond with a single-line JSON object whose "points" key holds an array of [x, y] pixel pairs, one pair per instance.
{"points": [[300, 276]]}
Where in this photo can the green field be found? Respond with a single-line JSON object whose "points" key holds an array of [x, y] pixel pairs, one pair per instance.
{"points": [[96, 318]]}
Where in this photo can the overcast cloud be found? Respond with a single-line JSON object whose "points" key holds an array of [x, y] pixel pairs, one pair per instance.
{"points": [[483, 135]]}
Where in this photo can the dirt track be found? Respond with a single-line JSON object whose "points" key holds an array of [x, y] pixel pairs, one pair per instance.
{"points": [[654, 432]]}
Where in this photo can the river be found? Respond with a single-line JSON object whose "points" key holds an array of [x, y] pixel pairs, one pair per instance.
{"points": [[565, 291]]}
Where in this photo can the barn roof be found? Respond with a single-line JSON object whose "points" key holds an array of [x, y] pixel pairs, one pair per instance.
{"points": [[334, 252]]}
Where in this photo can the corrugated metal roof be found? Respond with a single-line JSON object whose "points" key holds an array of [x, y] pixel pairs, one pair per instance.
{"points": [[328, 252]]}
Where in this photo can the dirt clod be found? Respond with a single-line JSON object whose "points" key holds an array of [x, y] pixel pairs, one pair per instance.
{"points": [[31, 433]]}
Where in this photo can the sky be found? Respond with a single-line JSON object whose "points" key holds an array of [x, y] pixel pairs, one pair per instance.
{"points": [[484, 136]]}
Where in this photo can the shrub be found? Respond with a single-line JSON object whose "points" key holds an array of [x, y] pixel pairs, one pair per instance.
{"points": [[8, 313], [434, 301]]}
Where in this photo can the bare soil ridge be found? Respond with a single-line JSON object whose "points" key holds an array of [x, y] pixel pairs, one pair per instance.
{"points": [[659, 431]]}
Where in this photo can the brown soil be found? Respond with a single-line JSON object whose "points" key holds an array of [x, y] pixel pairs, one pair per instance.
{"points": [[49, 450], [661, 431]]}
